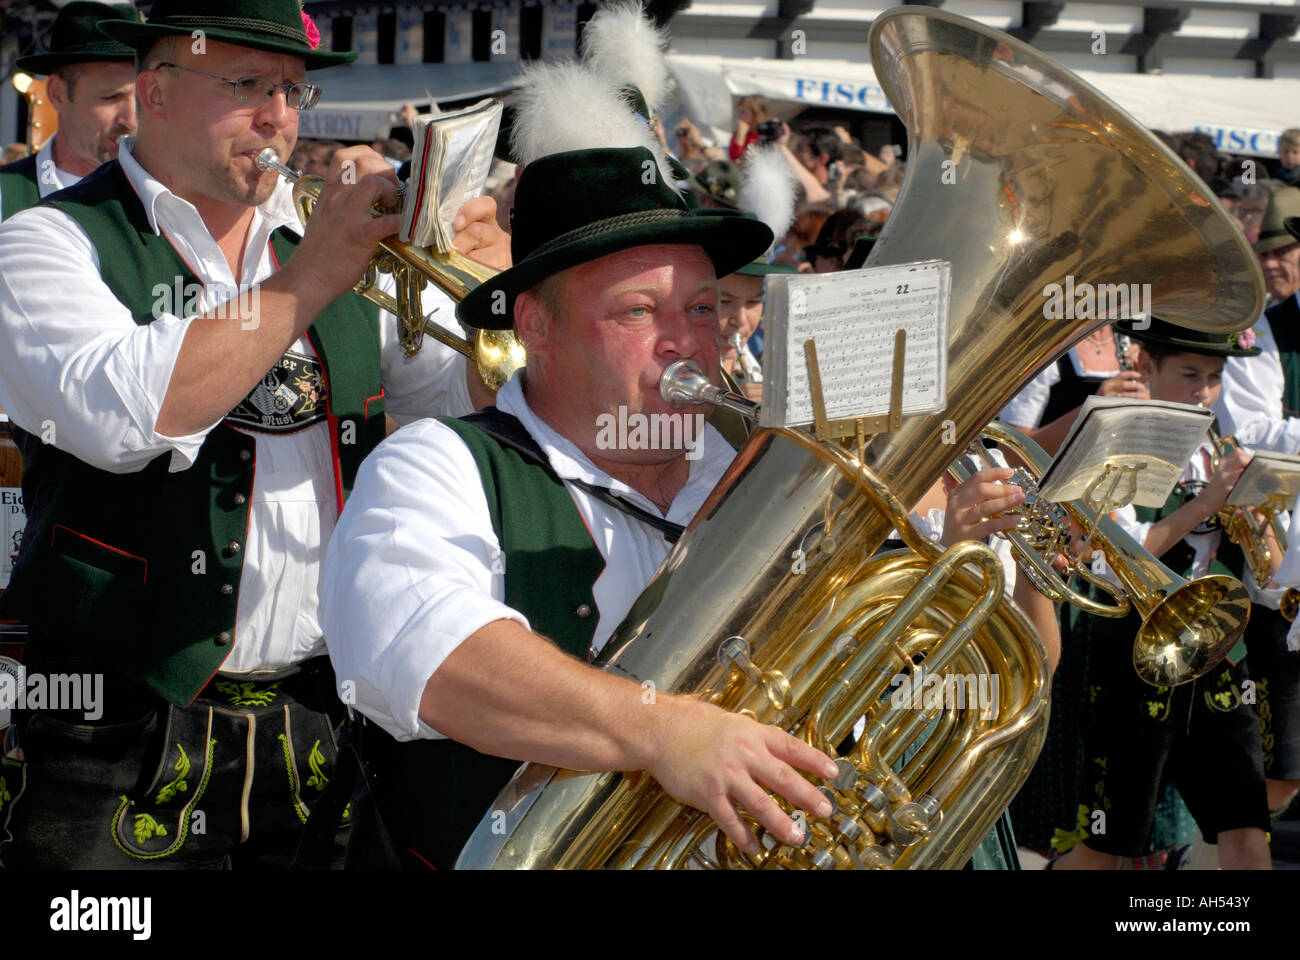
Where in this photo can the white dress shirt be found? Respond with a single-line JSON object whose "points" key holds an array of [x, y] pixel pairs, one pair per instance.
{"points": [[73, 360], [49, 177], [415, 567], [1250, 404], [1026, 408]]}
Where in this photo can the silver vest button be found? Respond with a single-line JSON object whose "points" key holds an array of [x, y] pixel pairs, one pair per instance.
{"points": [[232, 546], [227, 589], [583, 611], [223, 638], [245, 455], [240, 499]]}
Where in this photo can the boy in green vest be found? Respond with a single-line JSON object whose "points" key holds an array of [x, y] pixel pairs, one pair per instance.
{"points": [[1203, 735], [91, 87], [199, 386]]}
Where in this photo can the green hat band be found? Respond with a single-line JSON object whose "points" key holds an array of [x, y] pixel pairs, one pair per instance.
{"points": [[234, 23], [608, 225]]}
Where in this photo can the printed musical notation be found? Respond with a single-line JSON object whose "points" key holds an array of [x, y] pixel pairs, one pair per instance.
{"points": [[853, 317], [1153, 438]]}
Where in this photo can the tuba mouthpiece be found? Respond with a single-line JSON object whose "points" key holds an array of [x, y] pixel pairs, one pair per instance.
{"points": [[683, 384]]}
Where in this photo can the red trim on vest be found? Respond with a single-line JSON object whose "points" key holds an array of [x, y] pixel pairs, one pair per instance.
{"points": [[100, 543], [415, 853], [332, 420], [365, 409]]}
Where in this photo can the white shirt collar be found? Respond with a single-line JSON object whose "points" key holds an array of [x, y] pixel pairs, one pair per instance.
{"points": [[570, 463], [278, 210], [50, 177]]}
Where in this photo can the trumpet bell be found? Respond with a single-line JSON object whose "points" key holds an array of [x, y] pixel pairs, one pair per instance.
{"points": [[1191, 631]]}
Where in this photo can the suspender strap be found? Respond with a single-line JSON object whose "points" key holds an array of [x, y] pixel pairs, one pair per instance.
{"points": [[508, 431]]}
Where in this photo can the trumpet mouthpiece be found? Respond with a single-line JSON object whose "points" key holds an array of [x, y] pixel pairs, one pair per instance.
{"points": [[268, 159]]}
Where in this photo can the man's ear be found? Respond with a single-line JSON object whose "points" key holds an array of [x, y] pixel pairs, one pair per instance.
{"points": [[1146, 364], [532, 323], [150, 97], [56, 91]]}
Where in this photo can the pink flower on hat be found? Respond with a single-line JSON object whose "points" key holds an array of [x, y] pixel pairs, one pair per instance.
{"points": [[313, 35], [1246, 339]]}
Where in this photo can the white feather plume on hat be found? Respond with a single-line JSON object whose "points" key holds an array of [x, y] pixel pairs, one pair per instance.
{"points": [[621, 42], [568, 106], [767, 188]]}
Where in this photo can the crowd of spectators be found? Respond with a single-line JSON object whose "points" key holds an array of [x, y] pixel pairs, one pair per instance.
{"points": [[847, 191]]}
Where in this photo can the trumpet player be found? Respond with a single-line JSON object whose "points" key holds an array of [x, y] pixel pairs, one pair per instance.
{"points": [[1203, 736], [740, 308], [90, 88], [194, 456]]}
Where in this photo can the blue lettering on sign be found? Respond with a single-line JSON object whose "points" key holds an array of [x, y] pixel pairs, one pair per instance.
{"points": [[1260, 142]]}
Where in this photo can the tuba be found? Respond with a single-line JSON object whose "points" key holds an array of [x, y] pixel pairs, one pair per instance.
{"points": [[775, 601]]}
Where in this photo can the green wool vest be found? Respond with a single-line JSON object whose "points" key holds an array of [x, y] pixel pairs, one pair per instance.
{"points": [[1284, 320], [433, 793], [19, 188], [141, 570]]}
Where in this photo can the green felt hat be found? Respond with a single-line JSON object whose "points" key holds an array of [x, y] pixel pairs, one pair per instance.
{"points": [[719, 180], [275, 25], [761, 268], [1273, 234], [75, 38], [578, 206], [1185, 340], [1292, 225]]}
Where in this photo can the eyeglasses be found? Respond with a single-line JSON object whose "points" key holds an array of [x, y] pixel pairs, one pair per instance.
{"points": [[258, 90]]}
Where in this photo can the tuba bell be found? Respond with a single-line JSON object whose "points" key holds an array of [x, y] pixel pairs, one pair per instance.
{"points": [[775, 602]]}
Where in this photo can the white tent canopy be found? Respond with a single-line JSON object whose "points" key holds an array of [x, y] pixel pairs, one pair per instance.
{"points": [[363, 102], [1244, 116]]}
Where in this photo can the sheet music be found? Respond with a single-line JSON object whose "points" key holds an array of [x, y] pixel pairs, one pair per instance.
{"points": [[449, 164], [853, 317], [1155, 437], [1267, 475]]}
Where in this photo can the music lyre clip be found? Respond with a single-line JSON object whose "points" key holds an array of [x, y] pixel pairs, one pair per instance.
{"points": [[861, 427]]}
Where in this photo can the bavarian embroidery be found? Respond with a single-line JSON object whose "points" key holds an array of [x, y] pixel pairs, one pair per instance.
{"points": [[245, 694], [315, 759], [177, 784], [146, 827], [291, 396]]}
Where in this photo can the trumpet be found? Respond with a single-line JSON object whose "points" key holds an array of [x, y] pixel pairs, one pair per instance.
{"points": [[747, 368], [1123, 342], [496, 353], [1240, 525], [1251, 535], [1187, 626]]}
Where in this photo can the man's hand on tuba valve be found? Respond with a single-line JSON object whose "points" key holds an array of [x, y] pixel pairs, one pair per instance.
{"points": [[977, 506], [714, 761]]}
